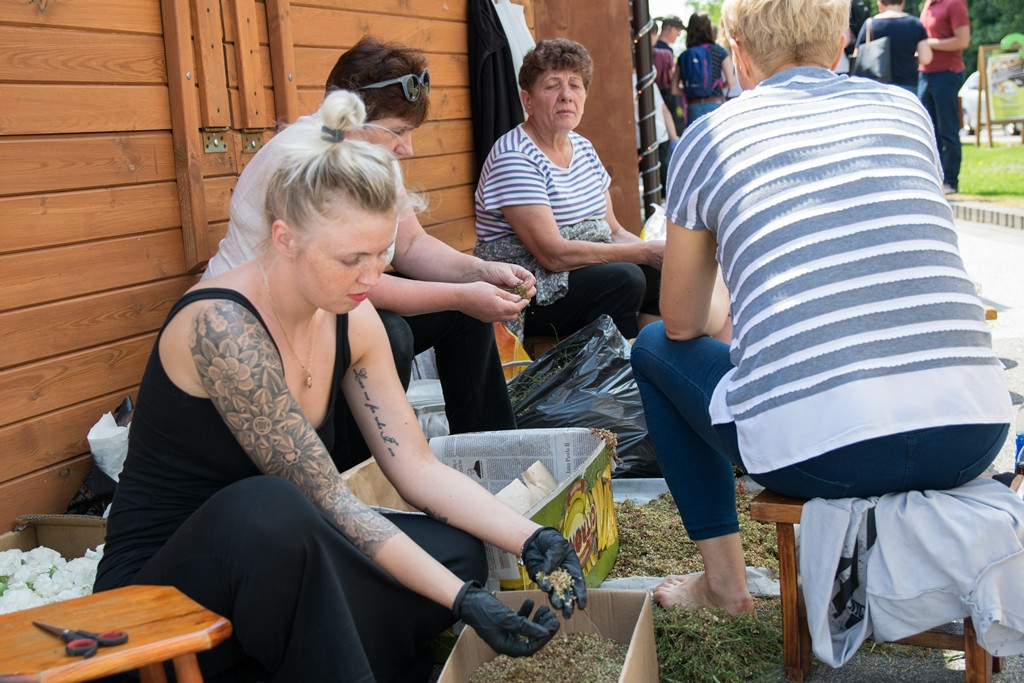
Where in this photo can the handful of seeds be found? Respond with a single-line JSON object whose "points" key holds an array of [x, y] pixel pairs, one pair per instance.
{"points": [[561, 583]]}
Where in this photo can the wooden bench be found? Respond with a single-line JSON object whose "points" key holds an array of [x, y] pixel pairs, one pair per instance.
{"points": [[768, 506], [162, 625]]}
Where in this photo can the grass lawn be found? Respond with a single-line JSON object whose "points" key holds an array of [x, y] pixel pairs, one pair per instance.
{"points": [[993, 174]]}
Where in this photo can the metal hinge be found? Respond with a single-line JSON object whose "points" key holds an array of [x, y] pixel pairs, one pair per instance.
{"points": [[252, 140], [215, 140]]}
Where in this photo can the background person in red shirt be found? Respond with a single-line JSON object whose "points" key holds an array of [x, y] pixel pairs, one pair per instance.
{"points": [[949, 32]]}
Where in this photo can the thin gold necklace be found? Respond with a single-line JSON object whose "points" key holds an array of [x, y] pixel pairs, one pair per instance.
{"points": [[312, 343]]}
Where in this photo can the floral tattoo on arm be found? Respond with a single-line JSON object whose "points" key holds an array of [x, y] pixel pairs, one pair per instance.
{"points": [[241, 370]]}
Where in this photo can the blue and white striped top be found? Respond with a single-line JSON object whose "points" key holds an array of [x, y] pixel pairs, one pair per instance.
{"points": [[853, 316], [518, 173]]}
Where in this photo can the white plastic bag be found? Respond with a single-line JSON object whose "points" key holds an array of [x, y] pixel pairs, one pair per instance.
{"points": [[654, 226], [109, 445]]}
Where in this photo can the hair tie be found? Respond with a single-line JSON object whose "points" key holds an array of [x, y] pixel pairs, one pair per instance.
{"points": [[332, 134]]}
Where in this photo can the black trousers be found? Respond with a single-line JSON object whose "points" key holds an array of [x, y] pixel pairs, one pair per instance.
{"points": [[620, 290], [305, 604], [468, 367]]}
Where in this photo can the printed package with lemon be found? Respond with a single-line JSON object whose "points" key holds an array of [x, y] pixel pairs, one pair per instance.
{"points": [[578, 501]]}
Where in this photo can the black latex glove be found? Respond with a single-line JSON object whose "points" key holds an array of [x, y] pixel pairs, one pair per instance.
{"points": [[507, 632], [547, 550]]}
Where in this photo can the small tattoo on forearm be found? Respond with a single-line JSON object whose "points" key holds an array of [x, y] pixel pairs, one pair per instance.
{"points": [[360, 376]]}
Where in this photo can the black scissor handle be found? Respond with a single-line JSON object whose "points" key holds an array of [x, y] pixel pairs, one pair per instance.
{"points": [[86, 647]]}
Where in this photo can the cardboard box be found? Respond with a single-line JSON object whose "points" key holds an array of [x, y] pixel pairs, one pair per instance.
{"points": [[70, 535], [623, 615], [580, 505]]}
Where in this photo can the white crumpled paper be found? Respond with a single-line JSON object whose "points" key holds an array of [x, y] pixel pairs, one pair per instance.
{"points": [[109, 445]]}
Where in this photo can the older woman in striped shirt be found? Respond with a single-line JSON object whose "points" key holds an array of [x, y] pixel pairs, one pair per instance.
{"points": [[543, 203], [860, 361]]}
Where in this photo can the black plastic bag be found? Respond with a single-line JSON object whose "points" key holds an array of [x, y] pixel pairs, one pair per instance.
{"points": [[586, 381]]}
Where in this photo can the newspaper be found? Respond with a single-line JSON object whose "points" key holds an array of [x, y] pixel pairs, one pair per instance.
{"points": [[496, 459]]}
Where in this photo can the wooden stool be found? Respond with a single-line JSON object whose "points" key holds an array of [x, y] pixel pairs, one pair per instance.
{"points": [[796, 639], [161, 622]]}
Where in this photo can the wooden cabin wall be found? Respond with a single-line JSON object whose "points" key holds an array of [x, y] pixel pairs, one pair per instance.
{"points": [[111, 204]]}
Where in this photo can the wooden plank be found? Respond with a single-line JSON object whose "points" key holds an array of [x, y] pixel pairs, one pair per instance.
{"points": [[45, 164], [36, 277], [45, 441], [218, 197], [46, 55], [212, 72], [451, 10], [36, 221], [769, 506], [250, 114], [139, 16], [443, 137], [282, 59], [79, 162], [263, 56], [215, 234], [78, 323], [448, 204], [38, 388], [48, 109], [313, 65], [185, 129], [44, 492], [343, 26], [459, 235], [269, 115], [432, 173]]}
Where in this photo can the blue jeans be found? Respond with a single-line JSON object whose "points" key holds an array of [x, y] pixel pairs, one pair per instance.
{"points": [[695, 110], [676, 381], [940, 94]]}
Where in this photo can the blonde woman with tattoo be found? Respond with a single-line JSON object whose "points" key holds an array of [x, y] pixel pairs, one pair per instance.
{"points": [[229, 491]]}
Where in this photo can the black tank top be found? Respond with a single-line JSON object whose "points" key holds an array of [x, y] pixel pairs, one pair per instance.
{"points": [[180, 453]]}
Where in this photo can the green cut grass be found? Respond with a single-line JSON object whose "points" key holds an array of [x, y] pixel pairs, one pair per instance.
{"points": [[993, 174]]}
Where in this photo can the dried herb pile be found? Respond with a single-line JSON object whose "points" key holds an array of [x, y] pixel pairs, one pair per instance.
{"points": [[653, 542], [568, 657]]}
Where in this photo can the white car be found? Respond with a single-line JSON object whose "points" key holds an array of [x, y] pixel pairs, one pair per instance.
{"points": [[969, 104]]}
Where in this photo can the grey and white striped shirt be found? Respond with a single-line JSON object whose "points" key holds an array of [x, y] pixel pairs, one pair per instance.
{"points": [[853, 316]]}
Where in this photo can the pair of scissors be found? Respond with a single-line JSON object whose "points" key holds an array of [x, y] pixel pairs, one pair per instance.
{"points": [[84, 643]]}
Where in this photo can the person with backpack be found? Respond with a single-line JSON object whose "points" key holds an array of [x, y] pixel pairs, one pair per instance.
{"points": [[703, 68]]}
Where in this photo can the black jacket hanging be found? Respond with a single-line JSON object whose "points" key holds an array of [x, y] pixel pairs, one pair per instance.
{"points": [[493, 83]]}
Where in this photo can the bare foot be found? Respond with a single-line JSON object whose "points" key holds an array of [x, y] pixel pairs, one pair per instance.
{"points": [[692, 589]]}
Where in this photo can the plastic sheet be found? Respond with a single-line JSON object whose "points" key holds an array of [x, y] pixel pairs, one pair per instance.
{"points": [[586, 381]]}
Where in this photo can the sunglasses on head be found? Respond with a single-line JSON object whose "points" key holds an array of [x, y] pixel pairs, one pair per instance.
{"points": [[412, 85]]}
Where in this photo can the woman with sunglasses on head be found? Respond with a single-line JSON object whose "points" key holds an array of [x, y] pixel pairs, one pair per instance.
{"points": [[229, 492], [437, 297]]}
